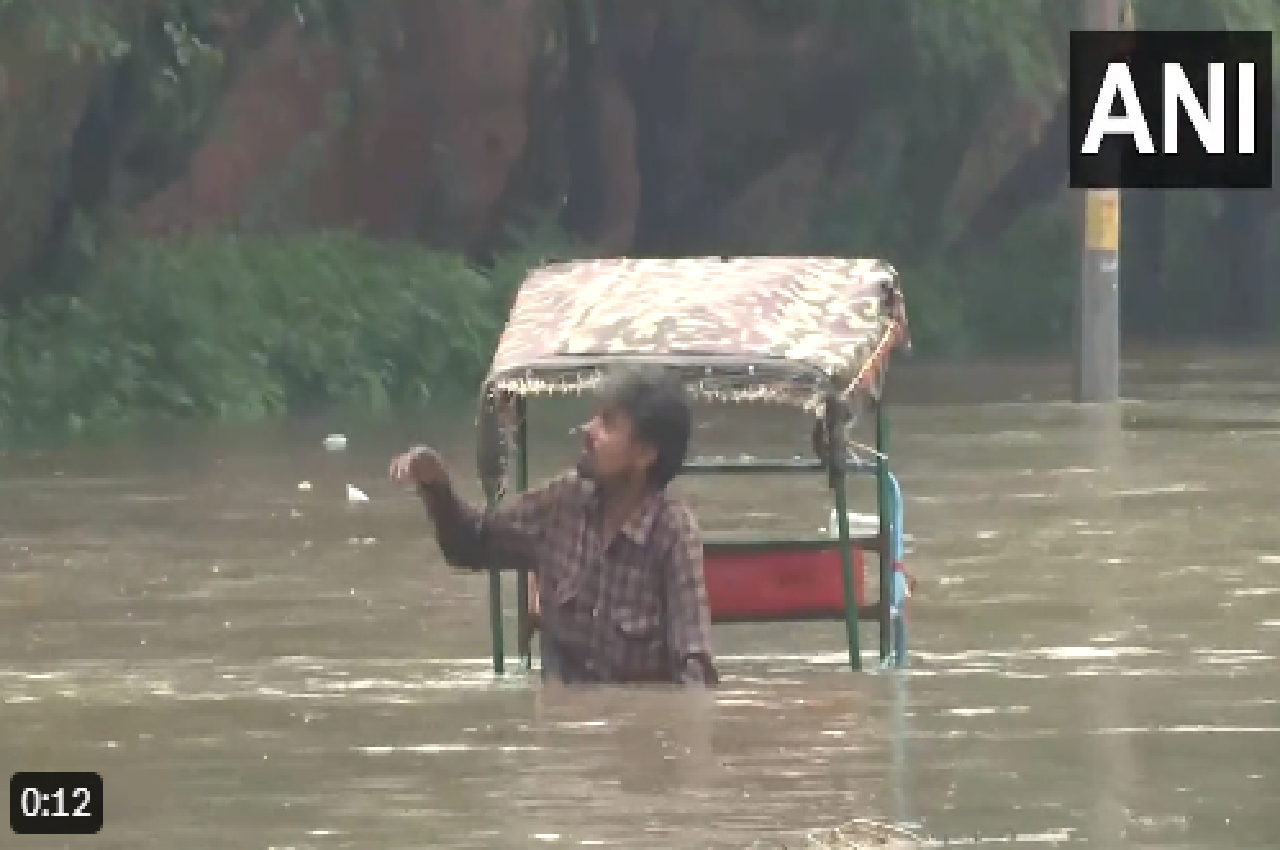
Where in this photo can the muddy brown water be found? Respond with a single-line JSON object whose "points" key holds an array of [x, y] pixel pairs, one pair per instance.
{"points": [[253, 665]]}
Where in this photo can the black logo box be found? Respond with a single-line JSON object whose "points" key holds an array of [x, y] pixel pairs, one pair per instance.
{"points": [[1118, 165]]}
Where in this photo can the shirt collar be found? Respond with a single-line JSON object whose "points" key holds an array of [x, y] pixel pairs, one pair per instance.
{"points": [[639, 526]]}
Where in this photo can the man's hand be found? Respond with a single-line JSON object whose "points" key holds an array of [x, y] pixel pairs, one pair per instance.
{"points": [[457, 524], [420, 465]]}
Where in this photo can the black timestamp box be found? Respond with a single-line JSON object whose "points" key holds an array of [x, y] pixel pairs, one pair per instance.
{"points": [[61, 803]]}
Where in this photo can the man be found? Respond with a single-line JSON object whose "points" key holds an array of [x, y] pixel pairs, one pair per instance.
{"points": [[618, 559]]}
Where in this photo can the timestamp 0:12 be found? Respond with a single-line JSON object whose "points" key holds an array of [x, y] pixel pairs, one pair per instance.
{"points": [[55, 803]]}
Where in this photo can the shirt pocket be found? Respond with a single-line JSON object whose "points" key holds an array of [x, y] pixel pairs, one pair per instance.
{"points": [[638, 624], [637, 645]]}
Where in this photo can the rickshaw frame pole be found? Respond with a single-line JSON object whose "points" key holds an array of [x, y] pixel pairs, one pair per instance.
{"points": [[496, 631], [838, 459], [495, 618], [522, 484]]}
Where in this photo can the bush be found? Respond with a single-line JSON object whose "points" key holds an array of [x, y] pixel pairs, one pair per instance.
{"points": [[245, 328]]}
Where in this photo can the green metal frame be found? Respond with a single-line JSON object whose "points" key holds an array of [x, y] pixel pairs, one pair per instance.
{"points": [[837, 470]]}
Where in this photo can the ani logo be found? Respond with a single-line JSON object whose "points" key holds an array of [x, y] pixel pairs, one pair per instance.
{"points": [[1171, 110]]}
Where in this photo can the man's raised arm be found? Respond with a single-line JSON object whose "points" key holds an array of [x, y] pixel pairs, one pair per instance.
{"points": [[503, 536]]}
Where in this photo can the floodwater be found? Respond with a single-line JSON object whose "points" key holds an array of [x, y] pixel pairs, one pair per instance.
{"points": [[251, 665]]}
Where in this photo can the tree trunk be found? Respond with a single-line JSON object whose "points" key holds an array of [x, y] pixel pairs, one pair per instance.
{"points": [[584, 202], [1035, 178], [664, 136], [115, 159]]}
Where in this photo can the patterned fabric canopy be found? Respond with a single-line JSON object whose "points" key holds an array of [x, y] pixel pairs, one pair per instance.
{"points": [[804, 331], [779, 328]]}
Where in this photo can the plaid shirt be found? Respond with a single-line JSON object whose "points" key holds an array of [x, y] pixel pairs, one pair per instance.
{"points": [[631, 609]]}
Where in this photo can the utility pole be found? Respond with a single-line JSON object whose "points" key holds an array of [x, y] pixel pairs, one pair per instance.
{"points": [[1097, 314]]}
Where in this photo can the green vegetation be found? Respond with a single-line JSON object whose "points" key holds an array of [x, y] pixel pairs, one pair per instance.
{"points": [[242, 329]]}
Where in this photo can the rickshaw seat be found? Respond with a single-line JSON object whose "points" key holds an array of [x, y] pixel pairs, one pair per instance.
{"points": [[760, 580], [769, 580]]}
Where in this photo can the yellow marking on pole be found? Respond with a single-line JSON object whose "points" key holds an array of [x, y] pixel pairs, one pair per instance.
{"points": [[1102, 220]]}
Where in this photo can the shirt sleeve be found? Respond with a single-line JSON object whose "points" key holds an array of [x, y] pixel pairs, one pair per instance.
{"points": [[688, 614], [504, 535]]}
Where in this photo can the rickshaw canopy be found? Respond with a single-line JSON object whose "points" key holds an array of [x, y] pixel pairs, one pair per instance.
{"points": [[796, 330]]}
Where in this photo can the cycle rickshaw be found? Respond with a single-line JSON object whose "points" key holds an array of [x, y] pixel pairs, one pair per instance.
{"points": [[814, 333]]}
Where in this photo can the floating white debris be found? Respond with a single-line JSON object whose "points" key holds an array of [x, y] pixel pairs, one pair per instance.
{"points": [[304, 485], [355, 494], [335, 442]]}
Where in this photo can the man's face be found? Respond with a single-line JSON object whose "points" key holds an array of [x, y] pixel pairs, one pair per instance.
{"points": [[610, 451]]}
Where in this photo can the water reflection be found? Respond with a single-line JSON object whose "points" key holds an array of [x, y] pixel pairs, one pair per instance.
{"points": [[253, 664]]}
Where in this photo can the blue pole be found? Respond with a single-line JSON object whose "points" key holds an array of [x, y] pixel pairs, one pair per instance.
{"points": [[898, 593]]}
